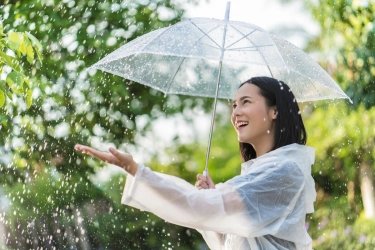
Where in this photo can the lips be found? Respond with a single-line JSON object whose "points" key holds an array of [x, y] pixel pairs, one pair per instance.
{"points": [[240, 124]]}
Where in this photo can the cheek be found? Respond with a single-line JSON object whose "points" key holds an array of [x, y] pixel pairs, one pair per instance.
{"points": [[232, 118]]}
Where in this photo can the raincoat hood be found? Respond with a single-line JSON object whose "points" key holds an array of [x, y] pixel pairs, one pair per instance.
{"points": [[303, 156]]}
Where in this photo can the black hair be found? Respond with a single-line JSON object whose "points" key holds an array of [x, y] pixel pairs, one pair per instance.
{"points": [[289, 127]]}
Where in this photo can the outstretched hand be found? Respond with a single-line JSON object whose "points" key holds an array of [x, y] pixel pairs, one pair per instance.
{"points": [[123, 160], [204, 182]]}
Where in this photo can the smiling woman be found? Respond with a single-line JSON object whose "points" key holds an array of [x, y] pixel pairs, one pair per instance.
{"points": [[253, 119], [264, 207], [274, 114]]}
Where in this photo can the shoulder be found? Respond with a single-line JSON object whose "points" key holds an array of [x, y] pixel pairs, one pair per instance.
{"points": [[289, 166], [279, 171], [275, 165]]}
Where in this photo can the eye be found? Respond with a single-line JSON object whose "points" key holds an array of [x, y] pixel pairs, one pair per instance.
{"points": [[246, 101], [234, 105]]}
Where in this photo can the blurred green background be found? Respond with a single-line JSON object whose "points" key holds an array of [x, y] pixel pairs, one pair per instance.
{"points": [[55, 198]]}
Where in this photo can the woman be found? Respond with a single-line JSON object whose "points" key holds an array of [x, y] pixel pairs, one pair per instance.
{"points": [[265, 206]]}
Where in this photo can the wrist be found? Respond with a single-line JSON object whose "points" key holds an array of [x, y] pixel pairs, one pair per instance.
{"points": [[131, 168]]}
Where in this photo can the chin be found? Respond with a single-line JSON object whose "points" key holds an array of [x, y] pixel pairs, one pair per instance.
{"points": [[243, 141]]}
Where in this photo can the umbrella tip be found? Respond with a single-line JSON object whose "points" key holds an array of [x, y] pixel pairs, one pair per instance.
{"points": [[227, 11]]}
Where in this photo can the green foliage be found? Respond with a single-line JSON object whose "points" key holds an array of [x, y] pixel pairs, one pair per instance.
{"points": [[342, 133], [358, 236], [343, 137], [14, 46], [67, 209], [348, 38], [74, 104]]}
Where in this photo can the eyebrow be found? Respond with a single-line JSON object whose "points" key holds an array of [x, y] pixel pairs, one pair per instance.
{"points": [[243, 97]]}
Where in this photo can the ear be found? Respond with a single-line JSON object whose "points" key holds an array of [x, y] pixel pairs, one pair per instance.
{"points": [[273, 112]]}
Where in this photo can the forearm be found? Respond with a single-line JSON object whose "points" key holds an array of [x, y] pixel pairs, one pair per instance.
{"points": [[179, 202]]}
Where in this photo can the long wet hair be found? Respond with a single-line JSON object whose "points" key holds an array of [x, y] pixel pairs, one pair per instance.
{"points": [[289, 127]]}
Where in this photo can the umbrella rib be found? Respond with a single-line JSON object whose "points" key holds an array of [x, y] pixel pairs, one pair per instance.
{"points": [[209, 45], [244, 48], [144, 47], [310, 80], [256, 47], [261, 52], [206, 34], [170, 83], [243, 36], [183, 58]]}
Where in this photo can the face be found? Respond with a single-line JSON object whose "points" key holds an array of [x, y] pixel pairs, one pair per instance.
{"points": [[251, 117]]}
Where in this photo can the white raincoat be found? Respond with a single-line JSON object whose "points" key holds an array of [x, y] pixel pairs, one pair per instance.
{"points": [[263, 208]]}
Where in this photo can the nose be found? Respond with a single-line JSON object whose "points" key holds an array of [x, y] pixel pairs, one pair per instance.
{"points": [[236, 111]]}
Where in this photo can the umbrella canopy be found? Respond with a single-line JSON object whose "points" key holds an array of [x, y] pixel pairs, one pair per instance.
{"points": [[184, 59], [187, 57]]}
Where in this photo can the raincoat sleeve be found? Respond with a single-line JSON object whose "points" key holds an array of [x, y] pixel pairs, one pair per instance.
{"points": [[266, 201]]}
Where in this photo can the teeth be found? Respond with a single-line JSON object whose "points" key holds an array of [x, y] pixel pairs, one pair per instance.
{"points": [[239, 124]]}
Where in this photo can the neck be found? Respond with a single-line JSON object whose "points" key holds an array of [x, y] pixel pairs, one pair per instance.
{"points": [[264, 146]]}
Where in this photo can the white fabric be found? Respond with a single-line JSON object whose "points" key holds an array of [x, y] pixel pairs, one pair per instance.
{"points": [[263, 208]]}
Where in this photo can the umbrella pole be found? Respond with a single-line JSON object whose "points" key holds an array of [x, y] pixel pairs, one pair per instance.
{"points": [[205, 172], [212, 121]]}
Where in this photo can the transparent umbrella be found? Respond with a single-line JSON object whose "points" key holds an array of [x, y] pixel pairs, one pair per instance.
{"points": [[210, 58]]}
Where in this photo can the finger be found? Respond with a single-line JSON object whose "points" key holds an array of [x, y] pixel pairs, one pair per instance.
{"points": [[97, 154], [201, 177], [80, 147], [210, 183], [123, 160], [207, 179], [85, 149], [118, 154], [202, 184]]}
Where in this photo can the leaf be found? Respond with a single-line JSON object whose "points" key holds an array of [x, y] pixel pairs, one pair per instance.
{"points": [[29, 98], [22, 48], [2, 98], [35, 41], [8, 94], [3, 118], [25, 85], [37, 45], [15, 79], [27, 82], [3, 88], [1, 30], [15, 40], [10, 61], [29, 49], [30, 54], [3, 43], [3, 85]]}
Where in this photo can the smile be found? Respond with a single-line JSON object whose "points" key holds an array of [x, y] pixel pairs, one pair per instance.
{"points": [[241, 124]]}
